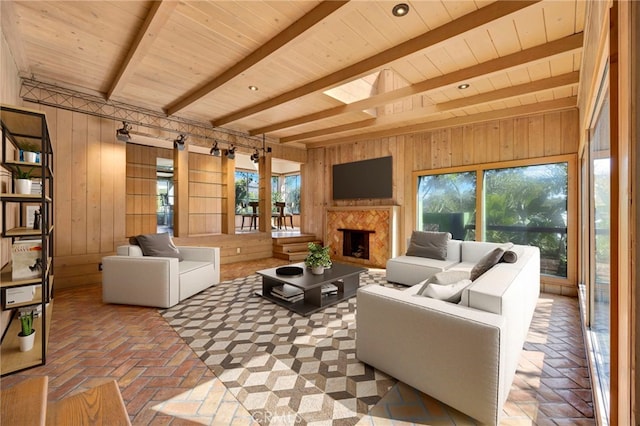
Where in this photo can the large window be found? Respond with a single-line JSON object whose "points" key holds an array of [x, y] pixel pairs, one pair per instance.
{"points": [[600, 241], [247, 189], [524, 204], [528, 206], [447, 203], [292, 192]]}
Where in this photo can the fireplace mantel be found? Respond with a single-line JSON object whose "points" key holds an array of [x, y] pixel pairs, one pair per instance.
{"points": [[383, 243]]}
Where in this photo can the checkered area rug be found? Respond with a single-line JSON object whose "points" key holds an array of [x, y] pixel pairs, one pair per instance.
{"points": [[284, 368]]}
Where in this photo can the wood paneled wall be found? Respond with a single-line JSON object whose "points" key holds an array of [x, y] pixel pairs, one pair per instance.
{"points": [[142, 188], [535, 136], [205, 194]]}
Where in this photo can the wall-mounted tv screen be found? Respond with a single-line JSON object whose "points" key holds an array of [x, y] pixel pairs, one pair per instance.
{"points": [[363, 179]]}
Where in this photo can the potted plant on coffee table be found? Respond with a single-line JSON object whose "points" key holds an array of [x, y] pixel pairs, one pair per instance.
{"points": [[318, 258], [27, 334]]}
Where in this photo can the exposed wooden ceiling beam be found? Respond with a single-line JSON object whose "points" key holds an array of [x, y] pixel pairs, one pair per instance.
{"points": [[568, 79], [496, 95], [536, 108], [303, 24], [155, 21], [454, 28], [518, 59]]}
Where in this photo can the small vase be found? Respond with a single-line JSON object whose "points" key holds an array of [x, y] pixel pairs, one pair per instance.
{"points": [[30, 157], [317, 270], [26, 342], [23, 186]]}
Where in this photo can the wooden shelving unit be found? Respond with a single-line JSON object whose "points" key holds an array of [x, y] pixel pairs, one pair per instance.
{"points": [[21, 126]]}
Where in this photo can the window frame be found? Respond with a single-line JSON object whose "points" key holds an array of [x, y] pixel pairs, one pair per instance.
{"points": [[558, 283]]}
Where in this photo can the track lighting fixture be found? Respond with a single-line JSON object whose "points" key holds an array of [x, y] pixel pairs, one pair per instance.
{"points": [[123, 134], [215, 151], [255, 157], [179, 142], [231, 152]]}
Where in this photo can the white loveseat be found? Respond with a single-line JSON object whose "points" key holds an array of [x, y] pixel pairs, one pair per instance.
{"points": [[464, 354], [133, 279]]}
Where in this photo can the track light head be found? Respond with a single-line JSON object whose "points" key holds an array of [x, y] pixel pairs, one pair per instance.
{"points": [[179, 142], [123, 133], [231, 152], [255, 157], [215, 151]]}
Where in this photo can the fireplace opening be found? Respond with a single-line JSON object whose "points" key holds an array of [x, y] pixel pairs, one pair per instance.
{"points": [[355, 243]]}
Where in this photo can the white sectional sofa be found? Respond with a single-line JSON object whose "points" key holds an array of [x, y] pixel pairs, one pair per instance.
{"points": [[463, 354], [133, 279]]}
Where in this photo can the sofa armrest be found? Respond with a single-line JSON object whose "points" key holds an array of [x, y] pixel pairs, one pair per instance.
{"points": [[203, 254], [451, 352], [144, 281]]}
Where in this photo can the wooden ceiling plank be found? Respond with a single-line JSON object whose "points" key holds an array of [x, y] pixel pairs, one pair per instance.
{"points": [[303, 24], [535, 87], [452, 29], [155, 21], [11, 32], [510, 92], [517, 59], [555, 105]]}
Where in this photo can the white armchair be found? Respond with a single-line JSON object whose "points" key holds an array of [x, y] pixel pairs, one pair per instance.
{"points": [[133, 279]]}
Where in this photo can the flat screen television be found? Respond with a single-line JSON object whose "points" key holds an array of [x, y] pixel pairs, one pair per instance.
{"points": [[363, 179]]}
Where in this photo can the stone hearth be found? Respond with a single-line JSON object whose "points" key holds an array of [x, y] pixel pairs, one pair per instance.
{"points": [[382, 243]]}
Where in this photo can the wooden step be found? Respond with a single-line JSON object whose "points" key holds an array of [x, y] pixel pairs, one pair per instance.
{"points": [[303, 238], [25, 403], [291, 247], [292, 257]]}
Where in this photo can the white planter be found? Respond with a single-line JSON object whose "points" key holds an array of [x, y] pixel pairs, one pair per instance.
{"points": [[317, 270], [26, 342], [23, 186], [29, 157]]}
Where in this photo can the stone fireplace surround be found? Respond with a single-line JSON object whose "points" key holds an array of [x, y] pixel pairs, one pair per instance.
{"points": [[383, 243]]}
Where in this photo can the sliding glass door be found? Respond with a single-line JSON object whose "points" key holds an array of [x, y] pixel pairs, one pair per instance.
{"points": [[600, 242]]}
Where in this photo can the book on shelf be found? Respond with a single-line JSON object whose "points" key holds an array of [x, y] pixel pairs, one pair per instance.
{"points": [[291, 299], [286, 290], [329, 288], [26, 258], [36, 186]]}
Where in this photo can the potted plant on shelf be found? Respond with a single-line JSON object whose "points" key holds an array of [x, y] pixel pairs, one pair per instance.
{"points": [[318, 258], [23, 181], [30, 152], [27, 334]]}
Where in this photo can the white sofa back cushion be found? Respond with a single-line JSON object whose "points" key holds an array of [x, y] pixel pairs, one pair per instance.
{"points": [[129, 250]]}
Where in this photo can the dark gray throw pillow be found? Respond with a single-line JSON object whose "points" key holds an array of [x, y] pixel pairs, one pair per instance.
{"points": [[509, 257], [159, 245], [487, 262], [429, 244]]}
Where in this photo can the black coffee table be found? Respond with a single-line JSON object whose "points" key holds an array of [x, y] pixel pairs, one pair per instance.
{"points": [[345, 277]]}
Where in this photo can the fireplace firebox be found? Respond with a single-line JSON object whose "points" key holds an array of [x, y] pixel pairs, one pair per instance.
{"points": [[355, 242]]}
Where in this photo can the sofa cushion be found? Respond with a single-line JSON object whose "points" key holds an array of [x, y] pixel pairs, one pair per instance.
{"points": [[159, 245], [411, 270], [447, 292], [487, 262], [429, 244]]}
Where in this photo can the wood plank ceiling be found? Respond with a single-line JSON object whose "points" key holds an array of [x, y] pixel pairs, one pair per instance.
{"points": [[388, 75]]}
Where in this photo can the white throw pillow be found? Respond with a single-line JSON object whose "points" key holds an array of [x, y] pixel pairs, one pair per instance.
{"points": [[447, 292]]}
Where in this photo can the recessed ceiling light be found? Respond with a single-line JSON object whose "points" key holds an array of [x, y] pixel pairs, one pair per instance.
{"points": [[464, 86], [253, 88], [400, 9]]}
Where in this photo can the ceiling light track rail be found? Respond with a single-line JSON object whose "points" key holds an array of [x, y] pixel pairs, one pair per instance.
{"points": [[55, 96]]}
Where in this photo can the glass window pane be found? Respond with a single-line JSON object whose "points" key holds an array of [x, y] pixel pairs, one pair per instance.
{"points": [[528, 205], [247, 190], [600, 280], [447, 203], [292, 193]]}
